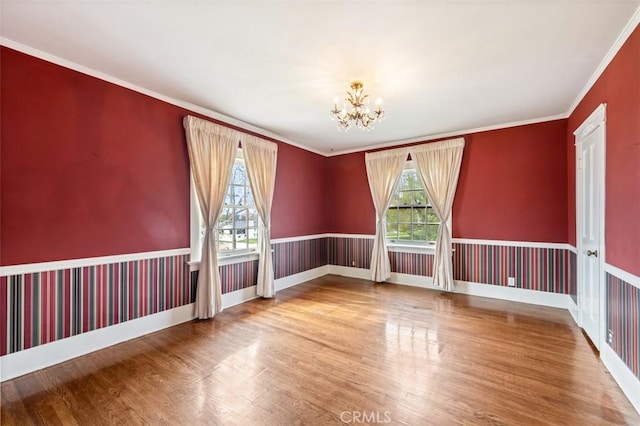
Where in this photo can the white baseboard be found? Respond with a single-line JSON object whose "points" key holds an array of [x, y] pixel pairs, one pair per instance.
{"points": [[38, 357], [554, 300], [573, 310], [295, 279], [629, 383], [29, 360], [347, 271], [533, 297], [413, 281], [239, 296]]}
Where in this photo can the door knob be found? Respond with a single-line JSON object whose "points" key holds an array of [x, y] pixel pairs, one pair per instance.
{"points": [[592, 253]]}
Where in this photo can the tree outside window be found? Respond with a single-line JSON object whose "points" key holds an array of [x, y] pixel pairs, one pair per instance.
{"points": [[410, 218]]}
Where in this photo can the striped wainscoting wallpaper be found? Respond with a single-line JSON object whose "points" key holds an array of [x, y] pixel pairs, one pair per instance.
{"points": [[289, 258], [38, 308], [356, 253], [412, 263], [623, 316], [353, 252], [293, 257], [542, 269], [235, 276]]}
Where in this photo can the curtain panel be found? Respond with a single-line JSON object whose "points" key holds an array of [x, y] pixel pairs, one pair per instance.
{"points": [[383, 172], [212, 151], [438, 165], [260, 158]]}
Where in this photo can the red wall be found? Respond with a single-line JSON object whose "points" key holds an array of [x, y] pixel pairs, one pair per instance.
{"points": [[511, 187], [89, 168], [349, 206], [619, 88], [299, 197]]}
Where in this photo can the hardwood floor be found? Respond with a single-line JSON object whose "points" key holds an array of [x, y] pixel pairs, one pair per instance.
{"points": [[333, 351]]}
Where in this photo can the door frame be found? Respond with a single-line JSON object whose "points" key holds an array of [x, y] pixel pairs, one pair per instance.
{"points": [[593, 122]]}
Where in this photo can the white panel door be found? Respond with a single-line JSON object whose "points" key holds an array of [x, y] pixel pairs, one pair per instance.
{"points": [[591, 152]]}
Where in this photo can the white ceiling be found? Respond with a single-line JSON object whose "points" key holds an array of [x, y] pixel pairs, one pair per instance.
{"points": [[440, 66]]}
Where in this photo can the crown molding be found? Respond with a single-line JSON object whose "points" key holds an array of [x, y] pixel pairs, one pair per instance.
{"points": [[613, 51], [225, 119], [617, 45], [615, 48], [427, 138]]}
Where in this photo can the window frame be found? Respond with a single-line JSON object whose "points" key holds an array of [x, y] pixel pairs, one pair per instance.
{"points": [[224, 258], [413, 246], [234, 207]]}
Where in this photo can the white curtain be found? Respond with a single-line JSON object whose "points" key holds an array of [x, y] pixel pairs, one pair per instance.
{"points": [[212, 151], [383, 172], [260, 159], [438, 165]]}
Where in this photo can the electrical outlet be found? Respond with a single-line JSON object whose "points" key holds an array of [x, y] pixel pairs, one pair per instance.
{"points": [[610, 337], [511, 281]]}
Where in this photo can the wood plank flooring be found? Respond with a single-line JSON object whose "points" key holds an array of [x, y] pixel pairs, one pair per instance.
{"points": [[337, 350]]}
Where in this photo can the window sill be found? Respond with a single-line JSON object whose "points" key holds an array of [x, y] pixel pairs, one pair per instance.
{"points": [[228, 259], [411, 248]]}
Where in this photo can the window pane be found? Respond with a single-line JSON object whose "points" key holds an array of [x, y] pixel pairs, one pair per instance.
{"points": [[414, 180], [392, 223], [432, 231], [431, 216], [412, 219], [228, 198], [405, 198], [395, 201], [419, 215], [241, 218], [225, 221], [252, 239], [404, 182], [392, 231], [419, 232], [404, 231], [392, 215], [404, 215], [249, 201], [253, 218], [237, 227], [420, 198], [237, 194], [238, 175], [241, 239], [225, 240]]}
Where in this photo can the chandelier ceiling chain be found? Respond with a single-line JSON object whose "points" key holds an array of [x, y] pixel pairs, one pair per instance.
{"points": [[355, 110]]}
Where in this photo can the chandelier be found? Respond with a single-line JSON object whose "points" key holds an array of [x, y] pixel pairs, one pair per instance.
{"points": [[355, 110]]}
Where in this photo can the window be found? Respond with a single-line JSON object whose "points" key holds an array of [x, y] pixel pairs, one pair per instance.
{"points": [[410, 218], [237, 229]]}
